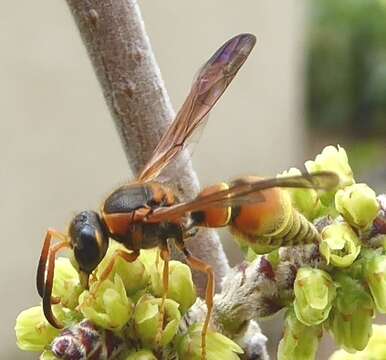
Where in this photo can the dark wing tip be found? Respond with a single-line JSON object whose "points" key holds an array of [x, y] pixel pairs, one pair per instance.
{"points": [[235, 49], [243, 42], [247, 39]]}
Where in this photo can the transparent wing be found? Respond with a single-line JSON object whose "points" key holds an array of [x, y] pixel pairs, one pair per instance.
{"points": [[212, 80], [244, 193]]}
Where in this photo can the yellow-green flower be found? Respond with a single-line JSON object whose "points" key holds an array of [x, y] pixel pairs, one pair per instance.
{"points": [[181, 287], [339, 245], [109, 307], [375, 349], [299, 342], [134, 275], [375, 274], [335, 160], [147, 321], [358, 205], [304, 200], [314, 294], [351, 318], [33, 332], [218, 347], [66, 283], [150, 257]]}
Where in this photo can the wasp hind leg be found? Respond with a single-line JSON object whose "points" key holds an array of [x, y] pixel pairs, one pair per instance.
{"points": [[203, 267], [45, 273]]}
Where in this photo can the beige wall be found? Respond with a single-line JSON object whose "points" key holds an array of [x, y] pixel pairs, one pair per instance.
{"points": [[59, 152]]}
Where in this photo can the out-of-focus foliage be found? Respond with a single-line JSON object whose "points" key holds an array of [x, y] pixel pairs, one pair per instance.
{"points": [[346, 72]]}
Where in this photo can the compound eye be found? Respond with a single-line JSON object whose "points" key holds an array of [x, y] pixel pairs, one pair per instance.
{"points": [[86, 249]]}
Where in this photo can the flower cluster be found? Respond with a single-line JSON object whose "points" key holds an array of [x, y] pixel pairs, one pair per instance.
{"points": [[340, 290], [348, 286], [120, 318]]}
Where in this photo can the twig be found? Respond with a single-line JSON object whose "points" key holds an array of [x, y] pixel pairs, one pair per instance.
{"points": [[114, 35], [261, 289]]}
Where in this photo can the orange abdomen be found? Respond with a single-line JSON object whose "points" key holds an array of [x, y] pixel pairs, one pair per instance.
{"points": [[264, 217], [259, 224]]}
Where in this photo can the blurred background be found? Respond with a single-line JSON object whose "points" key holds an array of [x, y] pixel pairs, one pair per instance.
{"points": [[316, 77]]}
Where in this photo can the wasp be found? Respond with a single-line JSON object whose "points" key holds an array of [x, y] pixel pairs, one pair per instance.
{"points": [[146, 212]]}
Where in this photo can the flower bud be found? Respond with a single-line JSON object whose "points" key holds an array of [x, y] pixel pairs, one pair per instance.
{"points": [[358, 205], [351, 318], [33, 332], [339, 245], [375, 349], [218, 346], [109, 307], [299, 342], [181, 286], [147, 320], [306, 201], [141, 355], [66, 283], [375, 274], [314, 294], [332, 159], [133, 274]]}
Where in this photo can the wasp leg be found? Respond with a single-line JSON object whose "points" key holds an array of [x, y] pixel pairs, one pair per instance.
{"points": [[199, 265], [165, 256], [50, 235], [47, 309], [129, 257]]}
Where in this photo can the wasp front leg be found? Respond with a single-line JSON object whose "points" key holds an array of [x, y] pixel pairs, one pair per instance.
{"points": [[41, 271], [129, 257]]}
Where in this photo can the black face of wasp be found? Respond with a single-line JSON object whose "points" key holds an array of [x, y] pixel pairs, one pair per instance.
{"points": [[89, 240]]}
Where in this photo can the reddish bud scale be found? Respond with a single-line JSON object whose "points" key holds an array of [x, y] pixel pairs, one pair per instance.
{"points": [[266, 268], [86, 341], [380, 220]]}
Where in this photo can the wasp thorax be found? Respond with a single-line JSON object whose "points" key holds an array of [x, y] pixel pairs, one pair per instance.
{"points": [[89, 239]]}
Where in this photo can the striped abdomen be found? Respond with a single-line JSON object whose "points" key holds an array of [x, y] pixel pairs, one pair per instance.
{"points": [[265, 224]]}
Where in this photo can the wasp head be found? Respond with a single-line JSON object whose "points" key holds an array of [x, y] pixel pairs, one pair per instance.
{"points": [[89, 240]]}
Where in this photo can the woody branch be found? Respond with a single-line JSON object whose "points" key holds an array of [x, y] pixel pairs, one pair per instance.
{"points": [[114, 35]]}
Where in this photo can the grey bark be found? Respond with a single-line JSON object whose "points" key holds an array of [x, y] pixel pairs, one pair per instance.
{"points": [[114, 35]]}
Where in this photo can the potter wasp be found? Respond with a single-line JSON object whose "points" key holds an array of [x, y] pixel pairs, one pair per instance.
{"points": [[145, 213]]}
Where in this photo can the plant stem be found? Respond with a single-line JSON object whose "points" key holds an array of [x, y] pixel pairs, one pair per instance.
{"points": [[114, 35]]}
